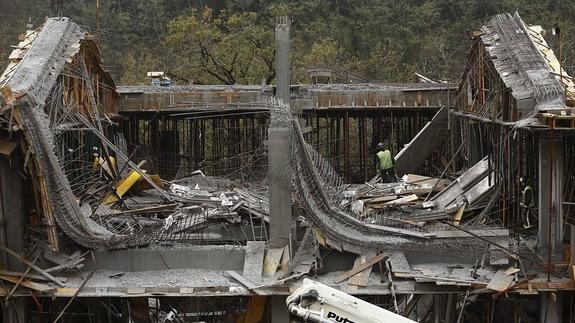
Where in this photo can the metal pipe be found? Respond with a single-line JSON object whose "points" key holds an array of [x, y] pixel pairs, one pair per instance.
{"points": [[307, 315]]}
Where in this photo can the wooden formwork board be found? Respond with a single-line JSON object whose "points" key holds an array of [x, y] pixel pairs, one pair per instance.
{"points": [[558, 120]]}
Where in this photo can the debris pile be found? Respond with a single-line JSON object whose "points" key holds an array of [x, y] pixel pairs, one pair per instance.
{"points": [[418, 200]]}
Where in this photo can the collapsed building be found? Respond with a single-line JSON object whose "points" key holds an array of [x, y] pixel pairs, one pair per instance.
{"points": [[211, 203]]}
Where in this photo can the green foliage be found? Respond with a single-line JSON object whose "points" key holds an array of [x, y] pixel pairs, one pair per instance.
{"points": [[225, 41], [227, 48]]}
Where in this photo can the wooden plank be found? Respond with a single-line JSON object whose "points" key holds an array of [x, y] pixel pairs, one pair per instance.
{"points": [[535, 285], [511, 271], [272, 261], [299, 251], [361, 278], [254, 259], [404, 200], [500, 281], [361, 267], [28, 284], [561, 285], [424, 180], [29, 263], [7, 146], [416, 191], [319, 236], [381, 199], [8, 95], [245, 281], [20, 280], [31, 276], [459, 214], [285, 261], [427, 278], [572, 252]]}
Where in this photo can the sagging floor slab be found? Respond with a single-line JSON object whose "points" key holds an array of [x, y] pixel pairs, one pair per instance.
{"points": [[225, 257]]}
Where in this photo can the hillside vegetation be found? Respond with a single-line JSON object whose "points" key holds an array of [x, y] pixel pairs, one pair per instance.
{"points": [[231, 41]]}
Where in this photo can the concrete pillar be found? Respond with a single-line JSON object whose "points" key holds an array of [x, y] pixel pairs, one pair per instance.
{"points": [[282, 59], [424, 304], [550, 231], [12, 220], [12, 223], [15, 310], [475, 151], [279, 148], [437, 308], [572, 256], [450, 308], [280, 186], [550, 308], [278, 311]]}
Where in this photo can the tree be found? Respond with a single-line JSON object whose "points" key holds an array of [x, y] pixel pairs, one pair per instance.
{"points": [[229, 48], [323, 54], [232, 41]]}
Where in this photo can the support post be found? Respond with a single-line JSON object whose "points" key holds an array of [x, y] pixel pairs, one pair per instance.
{"points": [[11, 210], [282, 59], [279, 149], [550, 231], [280, 187], [572, 253], [12, 228], [550, 307], [278, 311]]}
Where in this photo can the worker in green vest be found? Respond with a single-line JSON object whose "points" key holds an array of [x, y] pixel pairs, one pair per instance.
{"points": [[527, 202], [385, 164]]}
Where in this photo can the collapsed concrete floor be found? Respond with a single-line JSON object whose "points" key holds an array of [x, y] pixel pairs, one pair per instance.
{"points": [[110, 217]]}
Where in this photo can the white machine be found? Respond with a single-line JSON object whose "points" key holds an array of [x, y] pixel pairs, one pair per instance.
{"points": [[316, 302]]}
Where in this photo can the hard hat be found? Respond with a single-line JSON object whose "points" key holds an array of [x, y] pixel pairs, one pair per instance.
{"points": [[380, 145]]}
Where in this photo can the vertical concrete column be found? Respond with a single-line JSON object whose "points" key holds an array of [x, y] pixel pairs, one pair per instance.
{"points": [[572, 257], [280, 186], [425, 303], [282, 59], [279, 312], [451, 308], [550, 308], [475, 151], [12, 223], [11, 210], [437, 308], [550, 188], [279, 148]]}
